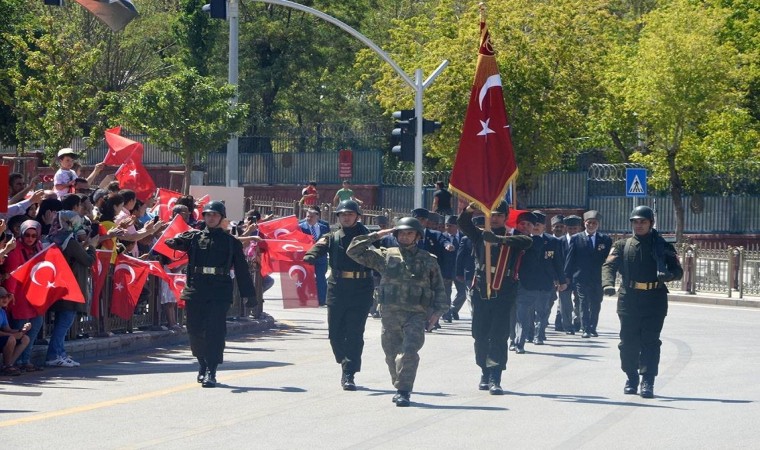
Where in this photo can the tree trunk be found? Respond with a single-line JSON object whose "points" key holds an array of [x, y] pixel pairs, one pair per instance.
{"points": [[188, 171], [676, 193]]}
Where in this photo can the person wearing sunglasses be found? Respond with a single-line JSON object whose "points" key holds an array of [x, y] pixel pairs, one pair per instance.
{"points": [[21, 311]]}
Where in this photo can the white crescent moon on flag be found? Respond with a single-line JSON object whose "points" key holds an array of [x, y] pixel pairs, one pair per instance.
{"points": [[492, 81], [127, 268], [295, 248], [170, 203], [280, 231], [99, 266], [299, 269], [179, 282], [39, 266]]}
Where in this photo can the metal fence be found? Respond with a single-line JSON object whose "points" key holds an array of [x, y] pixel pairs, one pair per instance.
{"points": [[719, 269]]}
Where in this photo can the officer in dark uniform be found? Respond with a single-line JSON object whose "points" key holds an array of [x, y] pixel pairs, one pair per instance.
{"points": [[212, 253], [490, 314], [453, 233], [568, 299], [349, 291], [646, 262], [436, 243], [588, 251]]}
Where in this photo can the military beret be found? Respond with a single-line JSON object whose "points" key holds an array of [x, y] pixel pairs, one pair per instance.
{"points": [[420, 212], [527, 216], [593, 214], [559, 218], [573, 221], [479, 221], [540, 217], [435, 218], [451, 220]]}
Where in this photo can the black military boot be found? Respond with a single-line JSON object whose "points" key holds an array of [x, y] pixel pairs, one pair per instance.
{"points": [[347, 381], [632, 384], [403, 399], [647, 386], [494, 381], [210, 380], [484, 384], [201, 370]]}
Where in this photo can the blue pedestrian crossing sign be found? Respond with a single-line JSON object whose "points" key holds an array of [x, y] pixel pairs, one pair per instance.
{"points": [[635, 182]]}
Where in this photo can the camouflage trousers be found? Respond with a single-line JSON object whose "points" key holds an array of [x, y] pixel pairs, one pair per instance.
{"points": [[402, 337]]}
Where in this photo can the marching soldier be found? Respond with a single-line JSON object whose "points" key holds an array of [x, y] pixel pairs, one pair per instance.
{"points": [[349, 292], [646, 262], [212, 253], [411, 297], [490, 314]]}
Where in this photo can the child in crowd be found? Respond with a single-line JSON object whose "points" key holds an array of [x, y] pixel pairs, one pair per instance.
{"points": [[12, 342], [63, 180]]}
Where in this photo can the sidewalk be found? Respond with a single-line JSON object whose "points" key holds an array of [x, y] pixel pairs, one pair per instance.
{"points": [[93, 348], [714, 299]]}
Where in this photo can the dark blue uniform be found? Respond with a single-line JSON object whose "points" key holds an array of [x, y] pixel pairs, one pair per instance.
{"points": [[584, 267]]}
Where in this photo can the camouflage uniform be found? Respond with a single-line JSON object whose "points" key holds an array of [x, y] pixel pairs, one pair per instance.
{"points": [[411, 290]]}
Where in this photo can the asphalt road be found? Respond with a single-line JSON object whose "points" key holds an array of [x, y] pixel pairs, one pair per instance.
{"points": [[281, 390]]}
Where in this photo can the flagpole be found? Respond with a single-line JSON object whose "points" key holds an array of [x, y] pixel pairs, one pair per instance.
{"points": [[487, 213]]}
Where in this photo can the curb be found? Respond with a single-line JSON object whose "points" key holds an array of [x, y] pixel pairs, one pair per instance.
{"points": [[101, 347], [720, 301]]}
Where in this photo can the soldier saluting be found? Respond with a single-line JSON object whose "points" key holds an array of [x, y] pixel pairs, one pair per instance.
{"points": [[645, 262], [411, 298], [212, 253], [349, 292]]}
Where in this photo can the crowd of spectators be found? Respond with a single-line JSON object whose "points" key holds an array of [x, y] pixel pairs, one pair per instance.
{"points": [[80, 217]]}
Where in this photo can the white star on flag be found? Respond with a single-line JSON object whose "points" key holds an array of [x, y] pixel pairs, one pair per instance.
{"points": [[133, 173], [50, 285], [298, 284], [485, 131], [119, 286]]}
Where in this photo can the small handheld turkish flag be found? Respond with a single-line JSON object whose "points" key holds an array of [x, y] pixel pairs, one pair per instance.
{"points": [[47, 278], [120, 149], [176, 227], [99, 274], [133, 175], [129, 277]]}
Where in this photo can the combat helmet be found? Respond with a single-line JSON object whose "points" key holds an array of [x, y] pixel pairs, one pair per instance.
{"points": [[642, 212], [348, 205], [217, 207], [409, 223]]}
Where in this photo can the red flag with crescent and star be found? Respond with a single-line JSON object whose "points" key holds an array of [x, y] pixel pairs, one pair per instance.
{"points": [[177, 282], [485, 162], [129, 277], [299, 285], [47, 278], [133, 175], [273, 229], [176, 227], [120, 149], [99, 274], [199, 205], [165, 204]]}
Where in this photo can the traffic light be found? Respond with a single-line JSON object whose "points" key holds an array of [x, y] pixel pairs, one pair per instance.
{"points": [[217, 8], [406, 129], [430, 126]]}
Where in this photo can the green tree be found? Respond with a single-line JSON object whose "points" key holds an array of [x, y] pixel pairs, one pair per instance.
{"points": [[54, 93], [186, 114], [548, 54], [679, 83]]}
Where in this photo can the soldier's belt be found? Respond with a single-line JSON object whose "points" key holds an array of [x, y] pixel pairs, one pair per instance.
{"points": [[645, 286], [209, 270], [352, 275]]}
